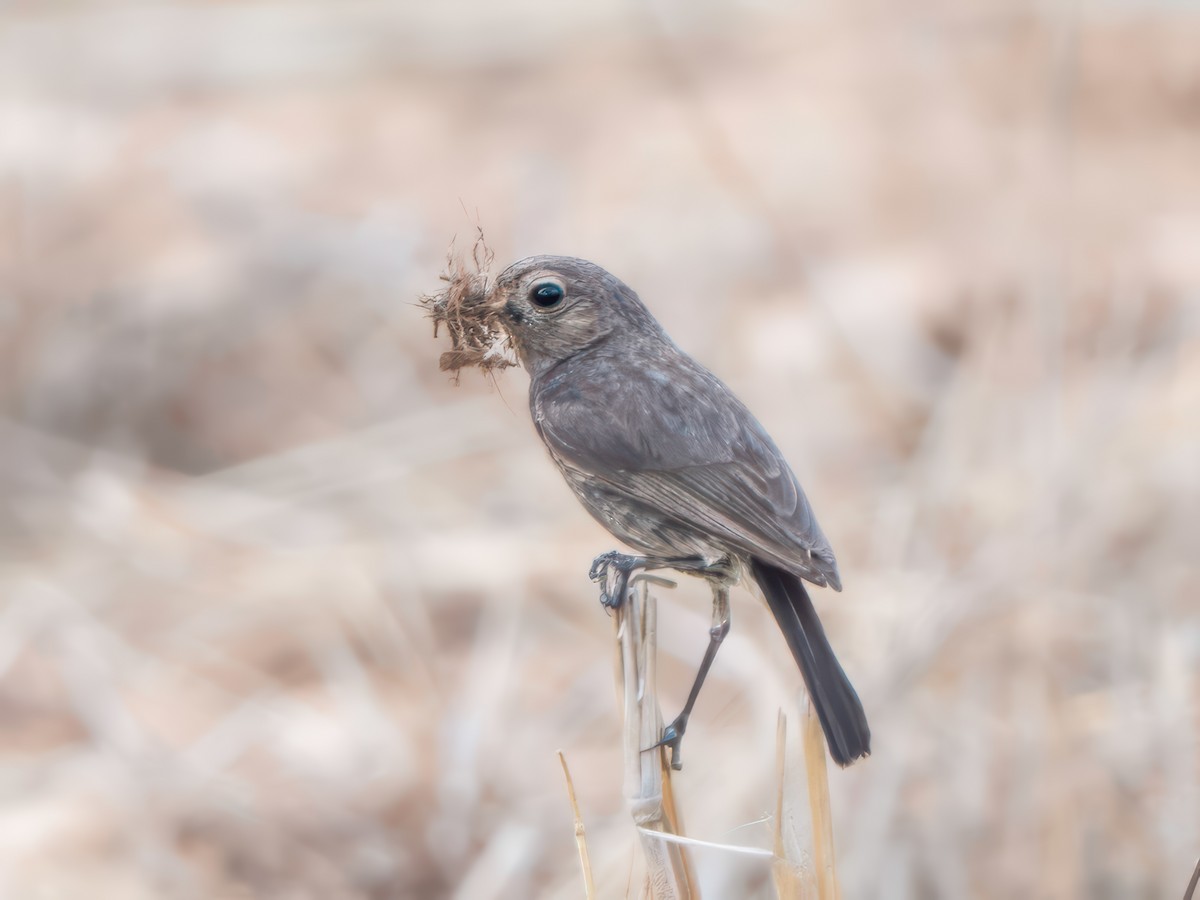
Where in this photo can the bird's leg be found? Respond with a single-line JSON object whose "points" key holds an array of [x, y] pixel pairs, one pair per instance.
{"points": [[624, 565], [673, 733]]}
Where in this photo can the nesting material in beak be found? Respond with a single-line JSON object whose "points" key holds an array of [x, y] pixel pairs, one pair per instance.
{"points": [[476, 335]]}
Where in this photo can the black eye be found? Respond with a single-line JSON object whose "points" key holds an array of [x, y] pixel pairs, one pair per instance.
{"points": [[547, 295]]}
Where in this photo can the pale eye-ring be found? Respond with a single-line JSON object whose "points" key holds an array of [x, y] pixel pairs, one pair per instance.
{"points": [[547, 294]]}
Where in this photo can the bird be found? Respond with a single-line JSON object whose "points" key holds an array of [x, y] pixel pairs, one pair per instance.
{"points": [[664, 455]]}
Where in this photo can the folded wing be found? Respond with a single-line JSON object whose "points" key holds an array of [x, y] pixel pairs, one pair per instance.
{"points": [[695, 452]]}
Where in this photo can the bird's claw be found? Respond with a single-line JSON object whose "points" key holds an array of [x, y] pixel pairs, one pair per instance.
{"points": [[613, 600], [672, 737], [601, 565]]}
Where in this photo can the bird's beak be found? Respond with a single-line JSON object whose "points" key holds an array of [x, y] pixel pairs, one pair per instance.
{"points": [[512, 313]]}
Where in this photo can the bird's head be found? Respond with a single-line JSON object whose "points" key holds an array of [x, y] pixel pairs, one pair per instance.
{"points": [[553, 307]]}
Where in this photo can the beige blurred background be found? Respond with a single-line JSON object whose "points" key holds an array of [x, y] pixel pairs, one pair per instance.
{"points": [[285, 614]]}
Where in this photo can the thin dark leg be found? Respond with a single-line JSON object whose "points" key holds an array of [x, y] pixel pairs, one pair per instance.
{"points": [[673, 733], [623, 566]]}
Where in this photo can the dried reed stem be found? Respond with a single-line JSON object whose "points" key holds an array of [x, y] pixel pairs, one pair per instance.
{"points": [[585, 862], [788, 874], [819, 806], [647, 774]]}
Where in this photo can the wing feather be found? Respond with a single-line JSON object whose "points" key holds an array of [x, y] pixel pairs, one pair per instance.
{"points": [[694, 450]]}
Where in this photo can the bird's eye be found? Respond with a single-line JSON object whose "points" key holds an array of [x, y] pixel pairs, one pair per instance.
{"points": [[547, 295]]}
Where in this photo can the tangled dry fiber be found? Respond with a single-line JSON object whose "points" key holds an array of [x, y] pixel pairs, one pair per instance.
{"points": [[476, 338]]}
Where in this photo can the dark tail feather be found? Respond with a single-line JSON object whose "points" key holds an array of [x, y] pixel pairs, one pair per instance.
{"points": [[837, 704]]}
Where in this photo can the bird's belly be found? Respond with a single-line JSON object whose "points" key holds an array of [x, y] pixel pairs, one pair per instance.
{"points": [[641, 525]]}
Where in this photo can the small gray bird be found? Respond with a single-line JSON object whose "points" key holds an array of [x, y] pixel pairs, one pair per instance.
{"points": [[663, 455]]}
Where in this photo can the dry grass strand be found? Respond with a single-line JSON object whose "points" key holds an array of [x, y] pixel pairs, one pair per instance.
{"points": [[585, 861], [476, 338], [1191, 888]]}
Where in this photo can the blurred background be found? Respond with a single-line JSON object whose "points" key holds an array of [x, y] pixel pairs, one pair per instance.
{"points": [[285, 613]]}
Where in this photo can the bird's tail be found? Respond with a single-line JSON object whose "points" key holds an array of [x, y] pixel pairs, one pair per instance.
{"points": [[837, 705]]}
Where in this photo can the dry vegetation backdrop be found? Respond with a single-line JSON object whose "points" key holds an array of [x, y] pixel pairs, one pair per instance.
{"points": [[285, 614]]}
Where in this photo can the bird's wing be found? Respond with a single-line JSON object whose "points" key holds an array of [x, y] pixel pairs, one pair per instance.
{"points": [[685, 444]]}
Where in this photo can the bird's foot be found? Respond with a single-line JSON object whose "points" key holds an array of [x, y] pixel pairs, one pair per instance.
{"points": [[672, 737], [622, 565], [601, 564]]}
